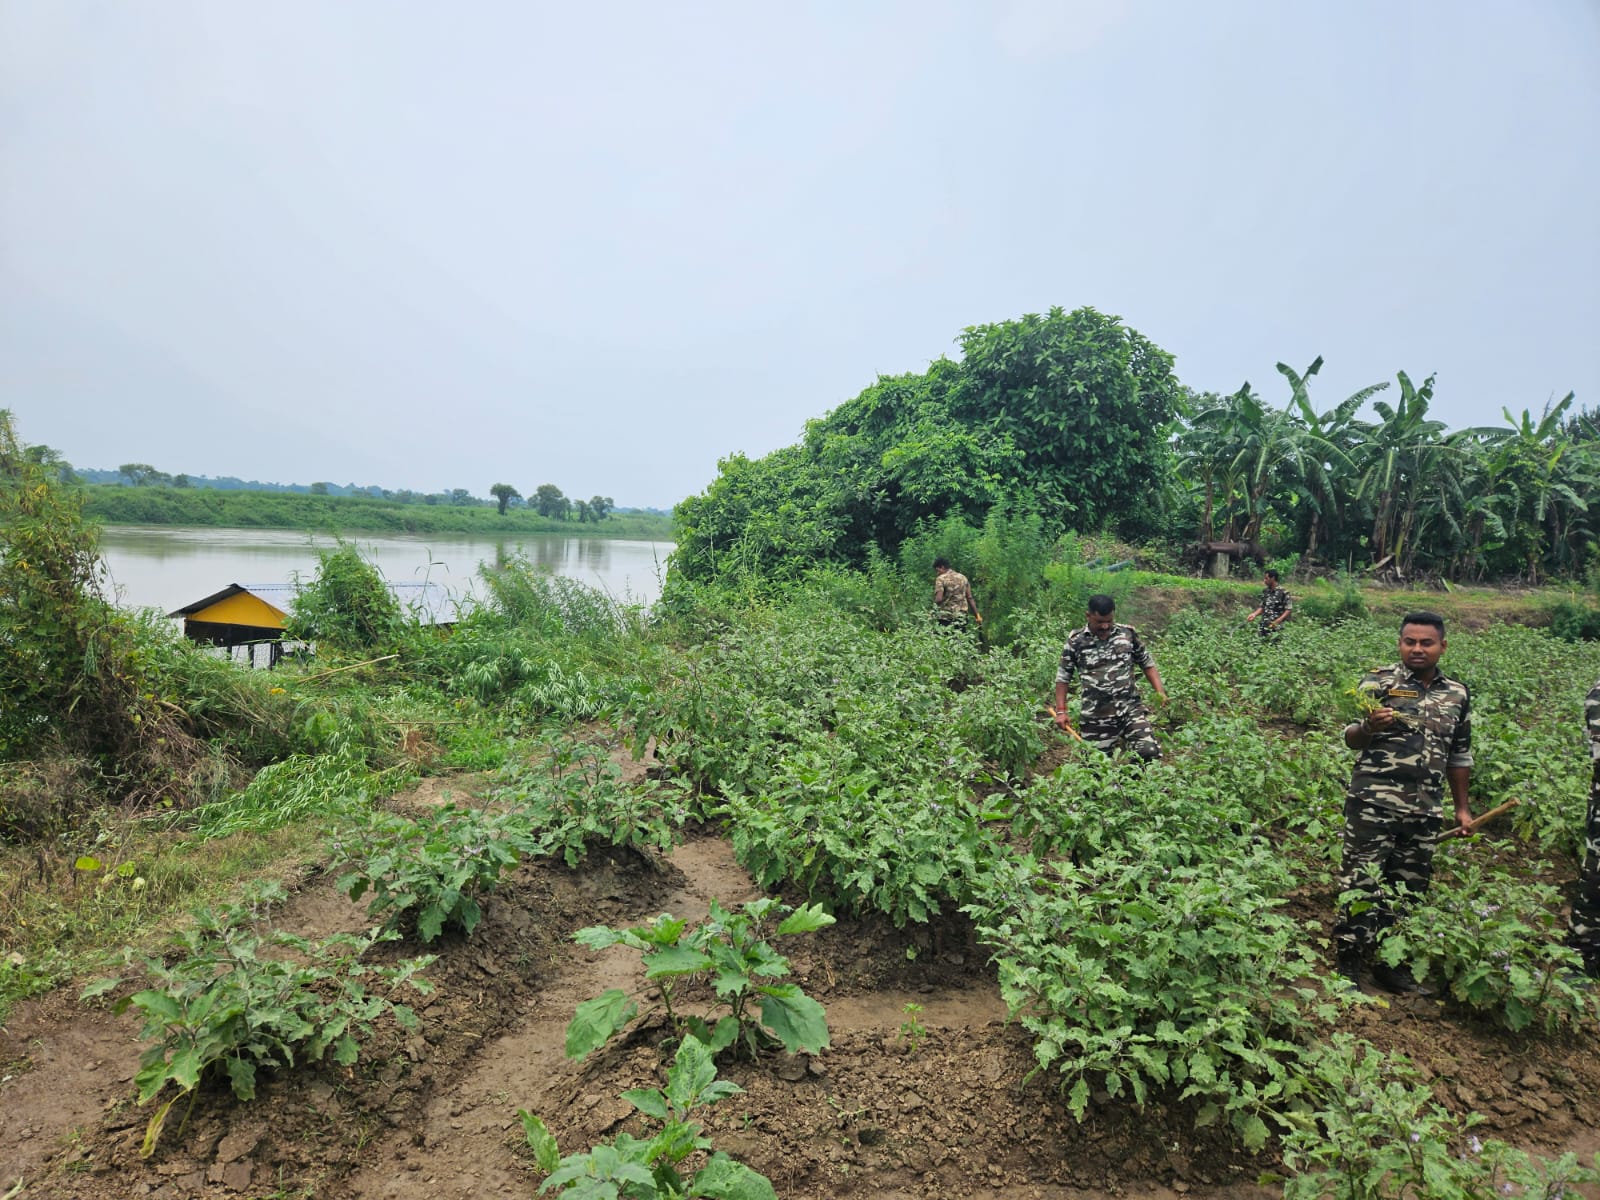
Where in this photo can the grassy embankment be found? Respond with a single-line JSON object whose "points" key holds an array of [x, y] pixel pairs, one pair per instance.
{"points": [[215, 508]]}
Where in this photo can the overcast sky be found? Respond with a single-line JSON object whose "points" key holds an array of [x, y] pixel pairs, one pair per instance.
{"points": [[440, 245]]}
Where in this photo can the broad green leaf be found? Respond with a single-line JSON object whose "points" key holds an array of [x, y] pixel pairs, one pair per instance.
{"points": [[805, 919], [98, 988], [157, 1004], [673, 961], [596, 1020], [540, 1141], [633, 1172], [1078, 1098], [725, 1179], [242, 1075], [185, 1068], [430, 922], [795, 1019], [691, 1071], [1253, 1130], [724, 1035], [649, 1101], [87, 862]]}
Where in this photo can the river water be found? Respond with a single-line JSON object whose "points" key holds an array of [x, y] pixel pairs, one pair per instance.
{"points": [[160, 566]]}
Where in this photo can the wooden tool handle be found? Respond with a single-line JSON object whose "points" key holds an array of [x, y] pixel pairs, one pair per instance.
{"points": [[1472, 825]]}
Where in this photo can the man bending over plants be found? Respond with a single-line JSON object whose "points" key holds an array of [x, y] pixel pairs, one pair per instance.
{"points": [[1110, 708], [1416, 739], [1585, 934]]}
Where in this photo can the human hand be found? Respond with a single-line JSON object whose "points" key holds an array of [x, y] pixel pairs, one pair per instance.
{"points": [[1378, 720]]}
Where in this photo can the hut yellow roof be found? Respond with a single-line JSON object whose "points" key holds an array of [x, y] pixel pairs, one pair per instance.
{"points": [[234, 605]]}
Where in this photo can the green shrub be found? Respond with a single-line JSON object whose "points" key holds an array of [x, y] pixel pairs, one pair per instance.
{"points": [[1493, 941], [226, 1006], [1368, 1129], [346, 605], [641, 1169], [433, 868], [1575, 621], [75, 673], [1329, 603], [1135, 976], [572, 797], [728, 950]]}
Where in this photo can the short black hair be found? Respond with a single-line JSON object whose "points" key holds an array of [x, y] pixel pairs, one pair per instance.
{"points": [[1271, 573], [1423, 618], [940, 564], [1102, 605]]}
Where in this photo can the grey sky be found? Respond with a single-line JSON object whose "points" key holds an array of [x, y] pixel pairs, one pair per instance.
{"points": [[430, 245]]}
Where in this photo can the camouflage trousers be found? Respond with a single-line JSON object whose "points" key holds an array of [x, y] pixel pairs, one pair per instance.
{"points": [[1133, 731], [1584, 936], [1383, 849]]}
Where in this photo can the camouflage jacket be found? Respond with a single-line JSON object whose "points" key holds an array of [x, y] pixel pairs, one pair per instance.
{"points": [[952, 593], [1403, 766], [1273, 605], [1107, 668], [1591, 716]]}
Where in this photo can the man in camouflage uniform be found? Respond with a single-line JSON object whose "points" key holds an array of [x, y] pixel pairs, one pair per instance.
{"points": [[1110, 709], [1274, 607], [952, 596], [1417, 739], [1585, 934]]}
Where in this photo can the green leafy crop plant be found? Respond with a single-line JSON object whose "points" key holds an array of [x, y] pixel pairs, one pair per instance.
{"points": [[729, 950], [227, 1005], [1364, 1127], [859, 842], [1494, 941], [572, 797], [650, 1168], [433, 866], [1135, 976]]}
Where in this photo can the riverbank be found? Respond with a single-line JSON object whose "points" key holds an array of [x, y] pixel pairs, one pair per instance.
{"points": [[219, 509]]}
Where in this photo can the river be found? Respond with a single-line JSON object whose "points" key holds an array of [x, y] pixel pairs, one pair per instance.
{"points": [[159, 566]]}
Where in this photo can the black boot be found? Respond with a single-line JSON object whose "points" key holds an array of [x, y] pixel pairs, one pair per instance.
{"points": [[1398, 980], [1348, 964]]}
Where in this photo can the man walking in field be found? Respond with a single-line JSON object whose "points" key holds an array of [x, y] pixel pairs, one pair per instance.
{"points": [[1416, 741], [952, 596], [1104, 654], [1585, 933], [1273, 609]]}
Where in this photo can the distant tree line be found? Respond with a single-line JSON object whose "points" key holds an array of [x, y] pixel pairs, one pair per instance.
{"points": [[549, 501], [1081, 421]]}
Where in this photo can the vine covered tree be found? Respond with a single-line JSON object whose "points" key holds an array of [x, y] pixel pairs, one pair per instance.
{"points": [[1067, 414], [504, 493], [550, 501]]}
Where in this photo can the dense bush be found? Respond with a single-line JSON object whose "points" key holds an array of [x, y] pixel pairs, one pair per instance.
{"points": [[346, 605], [1064, 414]]}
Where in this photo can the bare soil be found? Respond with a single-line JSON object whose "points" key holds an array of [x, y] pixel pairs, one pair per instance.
{"points": [[433, 1115]]}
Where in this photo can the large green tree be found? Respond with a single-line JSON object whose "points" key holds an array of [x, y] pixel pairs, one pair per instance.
{"points": [[504, 493], [1067, 415]]}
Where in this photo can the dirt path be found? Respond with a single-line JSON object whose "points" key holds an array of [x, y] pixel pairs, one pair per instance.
{"points": [[465, 1146], [468, 1142], [942, 1114]]}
